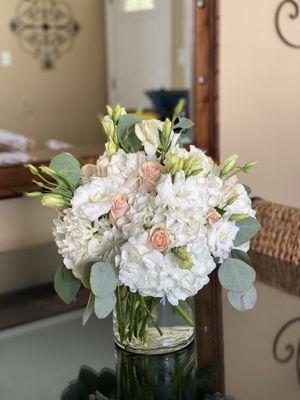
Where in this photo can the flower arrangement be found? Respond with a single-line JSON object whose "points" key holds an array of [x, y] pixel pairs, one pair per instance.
{"points": [[149, 221]]}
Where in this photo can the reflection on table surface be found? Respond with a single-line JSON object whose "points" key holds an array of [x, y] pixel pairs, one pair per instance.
{"points": [[141, 377], [45, 359]]}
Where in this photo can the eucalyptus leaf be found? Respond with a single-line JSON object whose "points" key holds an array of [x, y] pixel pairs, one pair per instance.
{"points": [[243, 301], [236, 275], [104, 305], [85, 271], [241, 255], [184, 123], [89, 309], [66, 285], [248, 227], [103, 281], [126, 132], [68, 166]]}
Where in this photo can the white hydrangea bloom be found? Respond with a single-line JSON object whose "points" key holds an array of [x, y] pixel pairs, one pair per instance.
{"points": [[151, 273], [220, 238], [124, 168], [181, 192]]}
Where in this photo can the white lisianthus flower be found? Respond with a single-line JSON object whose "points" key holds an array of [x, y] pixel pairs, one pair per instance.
{"points": [[220, 238], [242, 205], [94, 199], [148, 133]]}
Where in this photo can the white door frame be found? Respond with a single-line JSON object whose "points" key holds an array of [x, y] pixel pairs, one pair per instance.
{"points": [[165, 64]]}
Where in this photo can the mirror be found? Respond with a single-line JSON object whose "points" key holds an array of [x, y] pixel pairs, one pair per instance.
{"points": [[61, 62]]}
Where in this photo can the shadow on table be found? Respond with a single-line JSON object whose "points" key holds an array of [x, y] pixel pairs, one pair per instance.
{"points": [[138, 377]]}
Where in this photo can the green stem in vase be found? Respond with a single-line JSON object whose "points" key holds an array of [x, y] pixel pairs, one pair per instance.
{"points": [[121, 327], [185, 315], [146, 319], [150, 316]]}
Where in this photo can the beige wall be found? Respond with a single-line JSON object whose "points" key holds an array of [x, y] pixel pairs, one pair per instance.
{"points": [[260, 98], [64, 101], [260, 119]]}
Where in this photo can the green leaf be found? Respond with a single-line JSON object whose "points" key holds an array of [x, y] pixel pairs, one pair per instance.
{"points": [[66, 285], [184, 123], [126, 132], [248, 227], [104, 305], [103, 281], [89, 309], [241, 255], [68, 166], [248, 189], [243, 301], [236, 275], [85, 271]]}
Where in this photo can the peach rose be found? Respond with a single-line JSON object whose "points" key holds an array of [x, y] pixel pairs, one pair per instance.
{"points": [[88, 170], [119, 208], [150, 173], [160, 239], [212, 216]]}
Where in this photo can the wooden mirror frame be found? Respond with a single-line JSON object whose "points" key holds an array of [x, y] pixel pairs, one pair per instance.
{"points": [[209, 313]]}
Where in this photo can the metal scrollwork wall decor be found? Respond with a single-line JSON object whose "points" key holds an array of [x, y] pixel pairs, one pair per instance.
{"points": [[294, 14], [46, 29], [290, 351]]}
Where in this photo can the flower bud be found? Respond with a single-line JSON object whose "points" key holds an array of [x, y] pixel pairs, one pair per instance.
{"points": [[167, 129], [108, 126], [247, 167], [39, 184], [34, 194], [192, 166], [110, 148], [110, 111], [184, 256], [117, 113], [53, 200], [32, 169], [238, 217], [48, 171], [180, 106], [229, 164]]}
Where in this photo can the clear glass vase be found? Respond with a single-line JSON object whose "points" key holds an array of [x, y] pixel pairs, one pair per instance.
{"points": [[148, 325], [165, 376]]}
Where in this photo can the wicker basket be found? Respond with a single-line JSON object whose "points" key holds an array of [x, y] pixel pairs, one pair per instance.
{"points": [[279, 236]]}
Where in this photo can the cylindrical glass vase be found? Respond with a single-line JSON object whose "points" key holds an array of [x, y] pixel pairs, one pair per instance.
{"points": [[148, 325], [165, 376]]}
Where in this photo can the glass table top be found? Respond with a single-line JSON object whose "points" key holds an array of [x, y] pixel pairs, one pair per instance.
{"points": [[56, 358]]}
